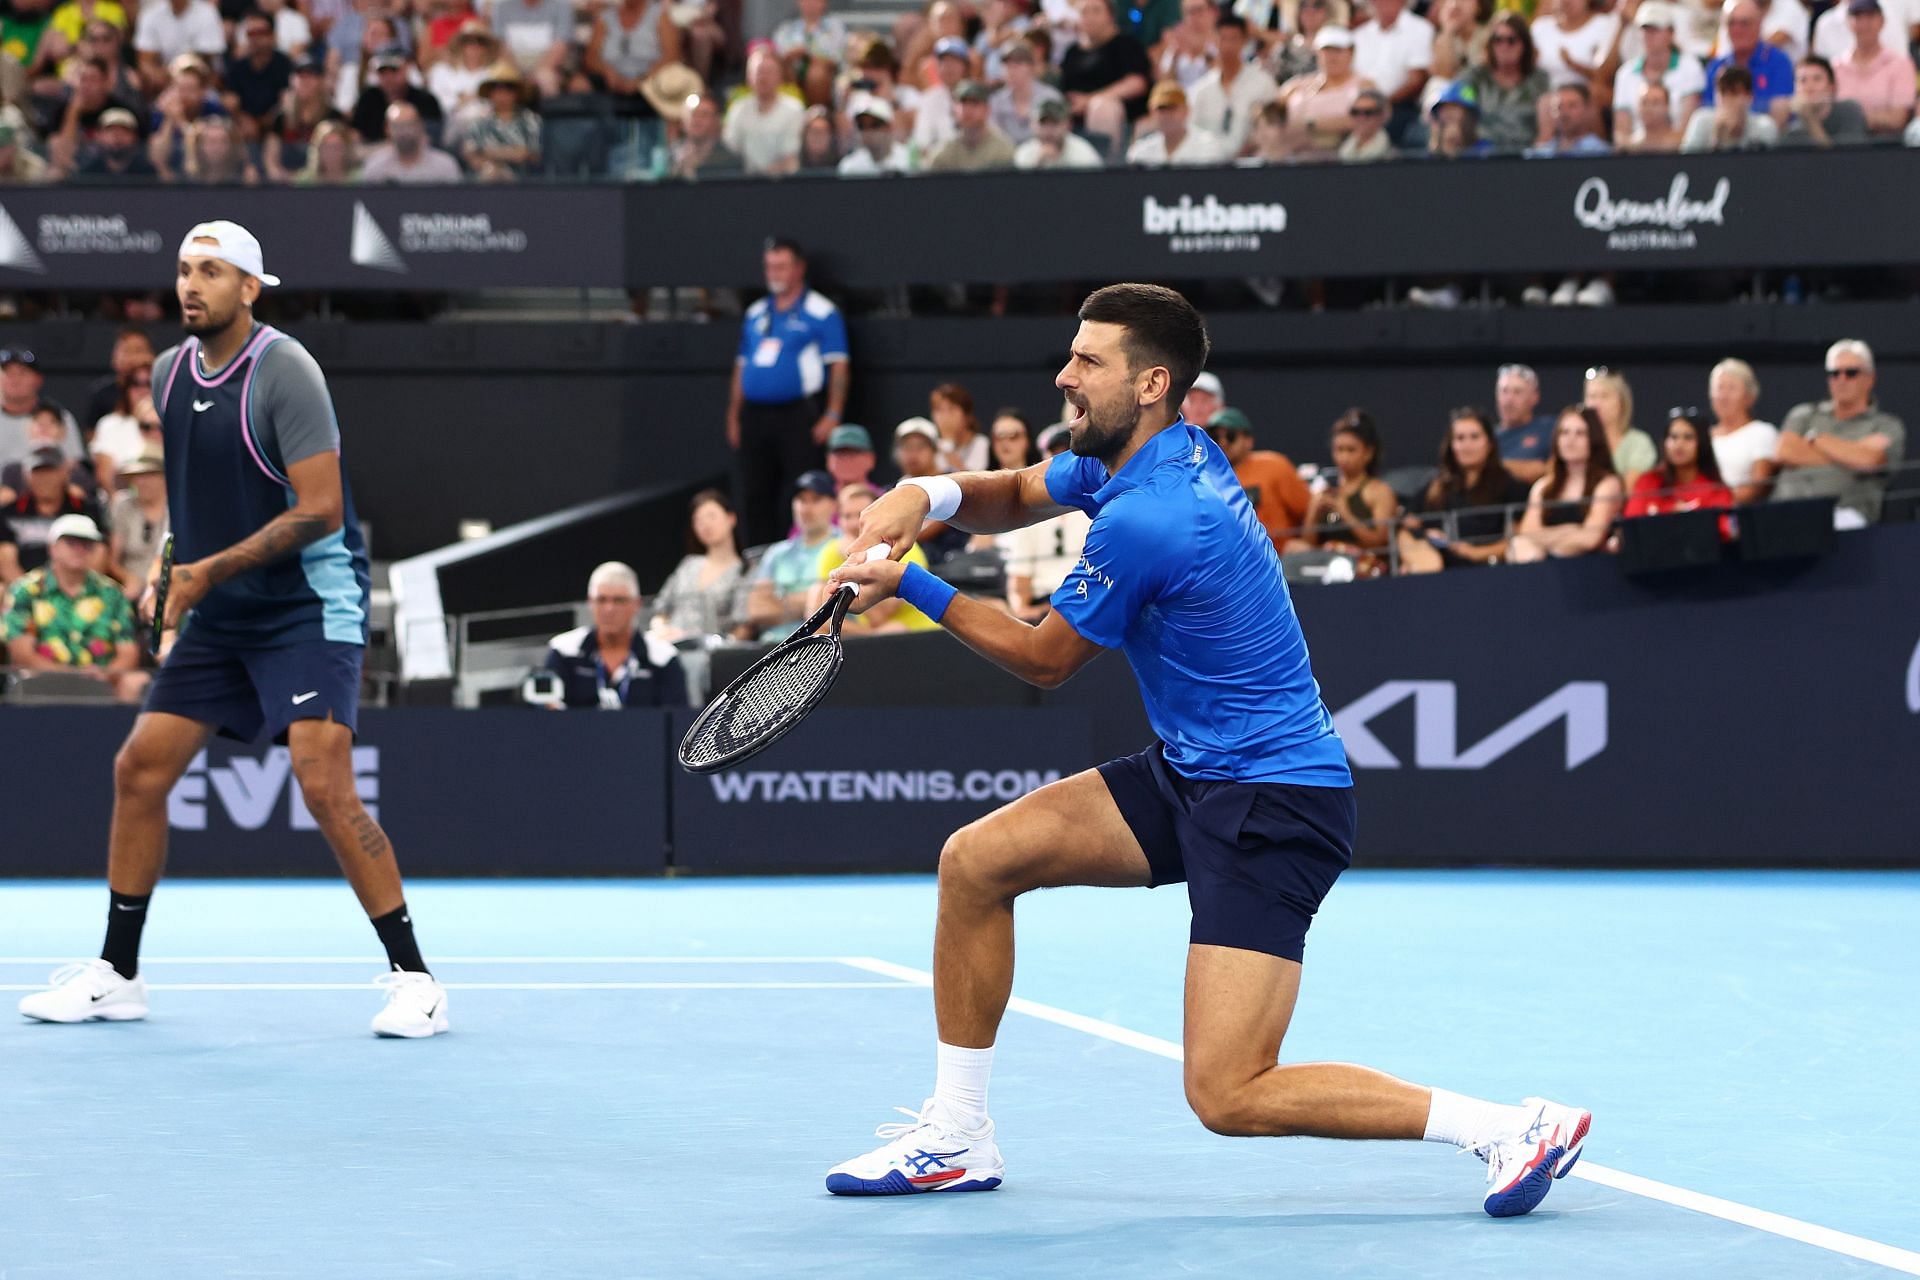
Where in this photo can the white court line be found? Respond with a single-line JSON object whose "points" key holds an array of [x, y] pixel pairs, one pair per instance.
{"points": [[379, 962], [1852, 1246], [511, 987]]}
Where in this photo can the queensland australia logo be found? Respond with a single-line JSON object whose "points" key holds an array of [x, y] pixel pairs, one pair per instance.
{"points": [[1664, 223], [1211, 225]]}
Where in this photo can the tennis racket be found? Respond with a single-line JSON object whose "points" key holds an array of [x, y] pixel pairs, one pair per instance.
{"points": [[160, 589], [769, 698]]}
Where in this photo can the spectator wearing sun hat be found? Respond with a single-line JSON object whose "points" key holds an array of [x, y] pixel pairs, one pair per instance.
{"points": [[1455, 129], [850, 455], [137, 520], [1320, 103], [504, 144]]}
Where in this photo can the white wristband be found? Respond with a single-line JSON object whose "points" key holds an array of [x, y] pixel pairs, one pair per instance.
{"points": [[943, 495]]}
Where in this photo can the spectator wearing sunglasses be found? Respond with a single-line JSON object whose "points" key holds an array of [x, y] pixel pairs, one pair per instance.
{"points": [[20, 399], [1510, 84], [1688, 476], [1369, 140], [1840, 447]]}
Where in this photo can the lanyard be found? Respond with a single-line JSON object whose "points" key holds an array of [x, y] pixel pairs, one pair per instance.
{"points": [[614, 697]]}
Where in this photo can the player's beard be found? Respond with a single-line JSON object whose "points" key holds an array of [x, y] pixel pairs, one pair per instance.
{"points": [[1105, 432], [211, 322]]}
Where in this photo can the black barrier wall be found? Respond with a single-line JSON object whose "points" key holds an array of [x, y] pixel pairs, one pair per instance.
{"points": [[1556, 715], [1595, 213]]}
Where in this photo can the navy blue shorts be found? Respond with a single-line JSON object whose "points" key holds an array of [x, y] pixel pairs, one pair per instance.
{"points": [[1258, 857], [242, 691]]}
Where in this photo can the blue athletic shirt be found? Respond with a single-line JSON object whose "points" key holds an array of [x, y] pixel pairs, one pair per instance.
{"points": [[1179, 573], [784, 354]]}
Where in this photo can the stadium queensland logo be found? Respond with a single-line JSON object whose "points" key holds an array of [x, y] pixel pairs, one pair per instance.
{"points": [[73, 234], [1662, 224], [440, 233], [249, 791], [1211, 225]]}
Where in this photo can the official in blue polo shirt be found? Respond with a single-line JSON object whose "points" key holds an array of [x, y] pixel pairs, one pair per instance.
{"points": [[1770, 65], [789, 388]]}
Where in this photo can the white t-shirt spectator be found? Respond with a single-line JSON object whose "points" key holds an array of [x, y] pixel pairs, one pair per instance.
{"points": [[118, 436], [859, 163], [1075, 153], [933, 119], [1046, 552], [527, 31], [1228, 113], [166, 33], [1737, 451], [1684, 75], [456, 86], [762, 139], [1198, 147], [1386, 56], [1588, 43], [292, 33]]}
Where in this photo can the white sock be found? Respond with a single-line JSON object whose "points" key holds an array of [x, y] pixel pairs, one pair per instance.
{"points": [[960, 1085], [1464, 1121]]}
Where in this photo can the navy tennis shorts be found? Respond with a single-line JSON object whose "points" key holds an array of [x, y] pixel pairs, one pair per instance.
{"points": [[242, 691], [1258, 857]]}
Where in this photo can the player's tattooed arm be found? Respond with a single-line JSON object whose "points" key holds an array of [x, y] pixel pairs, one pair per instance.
{"points": [[316, 512]]}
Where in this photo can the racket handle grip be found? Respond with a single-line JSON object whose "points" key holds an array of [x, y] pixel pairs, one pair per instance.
{"points": [[879, 551]]}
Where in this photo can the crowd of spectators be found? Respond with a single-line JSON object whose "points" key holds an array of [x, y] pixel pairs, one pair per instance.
{"points": [[335, 91], [1508, 485], [83, 510]]}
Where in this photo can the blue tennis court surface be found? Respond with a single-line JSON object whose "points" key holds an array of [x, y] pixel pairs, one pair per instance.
{"points": [[651, 1078]]}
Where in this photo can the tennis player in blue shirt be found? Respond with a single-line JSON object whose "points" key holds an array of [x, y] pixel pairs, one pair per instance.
{"points": [[1246, 796]]}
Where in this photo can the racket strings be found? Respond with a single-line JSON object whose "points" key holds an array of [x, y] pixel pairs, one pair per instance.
{"points": [[765, 701]]}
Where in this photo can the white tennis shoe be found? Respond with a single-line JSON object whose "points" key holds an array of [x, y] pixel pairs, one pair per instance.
{"points": [[416, 1006], [927, 1153], [88, 991], [1523, 1162]]}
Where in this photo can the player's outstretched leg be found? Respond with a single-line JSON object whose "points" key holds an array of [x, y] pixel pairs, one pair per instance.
{"points": [[322, 753], [1238, 1006], [1066, 833], [110, 989]]}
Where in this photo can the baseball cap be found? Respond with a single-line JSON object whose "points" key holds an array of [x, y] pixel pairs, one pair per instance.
{"points": [[310, 67], [918, 427], [1333, 38], [872, 104], [1460, 93], [850, 436], [816, 482], [1167, 93], [1209, 382], [147, 463], [1052, 109], [47, 455], [231, 243], [1863, 6], [1017, 51], [952, 47], [1658, 13], [972, 91], [390, 59], [118, 116], [74, 526], [17, 355], [1230, 420]]}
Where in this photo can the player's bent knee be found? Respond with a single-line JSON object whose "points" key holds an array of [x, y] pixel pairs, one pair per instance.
{"points": [[327, 794], [140, 775], [1229, 1109], [976, 861]]}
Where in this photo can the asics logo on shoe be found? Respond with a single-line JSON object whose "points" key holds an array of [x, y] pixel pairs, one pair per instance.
{"points": [[1536, 1131], [924, 1160]]}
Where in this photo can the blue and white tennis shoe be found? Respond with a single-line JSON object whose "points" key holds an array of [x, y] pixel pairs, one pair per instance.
{"points": [[1522, 1164], [926, 1153]]}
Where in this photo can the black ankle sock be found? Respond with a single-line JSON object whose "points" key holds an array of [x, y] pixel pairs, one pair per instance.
{"points": [[396, 935], [126, 917]]}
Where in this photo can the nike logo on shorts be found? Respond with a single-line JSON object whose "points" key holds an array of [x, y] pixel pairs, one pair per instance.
{"points": [[299, 698]]}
